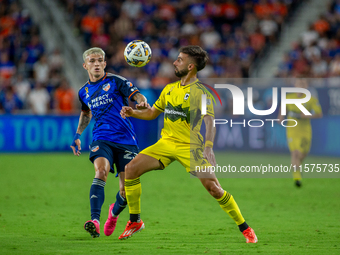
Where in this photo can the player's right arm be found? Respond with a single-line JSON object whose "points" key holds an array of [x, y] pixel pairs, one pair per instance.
{"points": [[84, 120], [149, 113]]}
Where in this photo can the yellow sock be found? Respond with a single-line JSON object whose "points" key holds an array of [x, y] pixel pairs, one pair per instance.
{"points": [[297, 175], [133, 190], [229, 205]]}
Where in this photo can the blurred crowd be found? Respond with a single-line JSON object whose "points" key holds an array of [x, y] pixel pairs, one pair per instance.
{"points": [[31, 79], [234, 32], [317, 52]]}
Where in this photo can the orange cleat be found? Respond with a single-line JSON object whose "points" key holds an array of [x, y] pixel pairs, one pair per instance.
{"points": [[131, 228], [250, 236]]}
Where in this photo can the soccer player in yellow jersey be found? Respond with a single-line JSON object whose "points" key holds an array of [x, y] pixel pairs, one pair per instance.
{"points": [[181, 140], [299, 137]]}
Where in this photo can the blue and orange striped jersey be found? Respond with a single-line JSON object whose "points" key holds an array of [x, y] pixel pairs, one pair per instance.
{"points": [[105, 99]]}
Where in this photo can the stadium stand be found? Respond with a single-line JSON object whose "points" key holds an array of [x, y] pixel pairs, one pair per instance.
{"points": [[29, 75], [233, 32], [317, 52]]}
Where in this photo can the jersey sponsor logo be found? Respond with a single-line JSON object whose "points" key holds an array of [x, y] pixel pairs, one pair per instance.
{"points": [[175, 113], [106, 87], [95, 148], [129, 84], [101, 100]]}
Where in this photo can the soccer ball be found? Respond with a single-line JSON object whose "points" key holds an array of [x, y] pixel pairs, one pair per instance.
{"points": [[137, 53]]}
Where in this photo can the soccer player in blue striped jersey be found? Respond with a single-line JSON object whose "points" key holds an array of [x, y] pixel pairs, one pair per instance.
{"points": [[114, 139]]}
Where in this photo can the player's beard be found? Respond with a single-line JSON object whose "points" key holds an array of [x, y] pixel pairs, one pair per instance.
{"points": [[181, 73]]}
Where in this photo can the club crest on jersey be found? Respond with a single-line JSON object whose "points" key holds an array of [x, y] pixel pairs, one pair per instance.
{"points": [[106, 87], [95, 148], [186, 96]]}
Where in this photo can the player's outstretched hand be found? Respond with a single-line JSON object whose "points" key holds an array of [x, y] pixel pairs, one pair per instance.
{"points": [[143, 105], [126, 111], [76, 145], [209, 155]]}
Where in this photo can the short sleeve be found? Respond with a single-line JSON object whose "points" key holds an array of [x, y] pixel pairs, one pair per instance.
{"points": [[126, 88], [160, 103], [84, 107]]}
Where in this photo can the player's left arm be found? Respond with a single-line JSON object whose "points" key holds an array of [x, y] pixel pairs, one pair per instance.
{"points": [[316, 111], [141, 101], [210, 132]]}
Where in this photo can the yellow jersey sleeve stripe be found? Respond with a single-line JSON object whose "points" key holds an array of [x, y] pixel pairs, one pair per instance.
{"points": [[158, 108]]}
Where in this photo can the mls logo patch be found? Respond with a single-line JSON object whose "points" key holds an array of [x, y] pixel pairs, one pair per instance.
{"points": [[186, 96], [95, 148], [106, 87]]}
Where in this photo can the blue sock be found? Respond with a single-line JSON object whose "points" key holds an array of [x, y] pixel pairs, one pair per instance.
{"points": [[119, 206], [97, 197]]}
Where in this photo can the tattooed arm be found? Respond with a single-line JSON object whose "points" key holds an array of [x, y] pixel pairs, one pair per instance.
{"points": [[84, 120]]}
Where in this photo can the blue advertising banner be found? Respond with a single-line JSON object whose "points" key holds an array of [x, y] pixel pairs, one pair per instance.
{"points": [[26, 133]]}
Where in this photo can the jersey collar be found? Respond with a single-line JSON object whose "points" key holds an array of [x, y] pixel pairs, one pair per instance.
{"points": [[188, 84], [96, 82]]}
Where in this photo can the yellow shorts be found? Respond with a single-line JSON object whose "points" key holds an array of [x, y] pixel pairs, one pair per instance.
{"points": [[167, 151], [300, 141]]}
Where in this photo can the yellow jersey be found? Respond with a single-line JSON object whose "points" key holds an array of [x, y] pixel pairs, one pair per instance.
{"points": [[313, 106], [182, 111]]}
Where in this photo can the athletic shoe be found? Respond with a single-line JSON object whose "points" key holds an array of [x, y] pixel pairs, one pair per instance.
{"points": [[92, 226], [110, 223], [250, 236], [298, 183], [132, 228]]}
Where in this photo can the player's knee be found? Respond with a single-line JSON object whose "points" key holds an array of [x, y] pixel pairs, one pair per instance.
{"points": [[296, 154], [215, 191], [101, 173], [130, 168]]}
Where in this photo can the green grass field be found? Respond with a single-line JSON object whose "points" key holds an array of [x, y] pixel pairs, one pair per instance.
{"points": [[44, 204]]}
